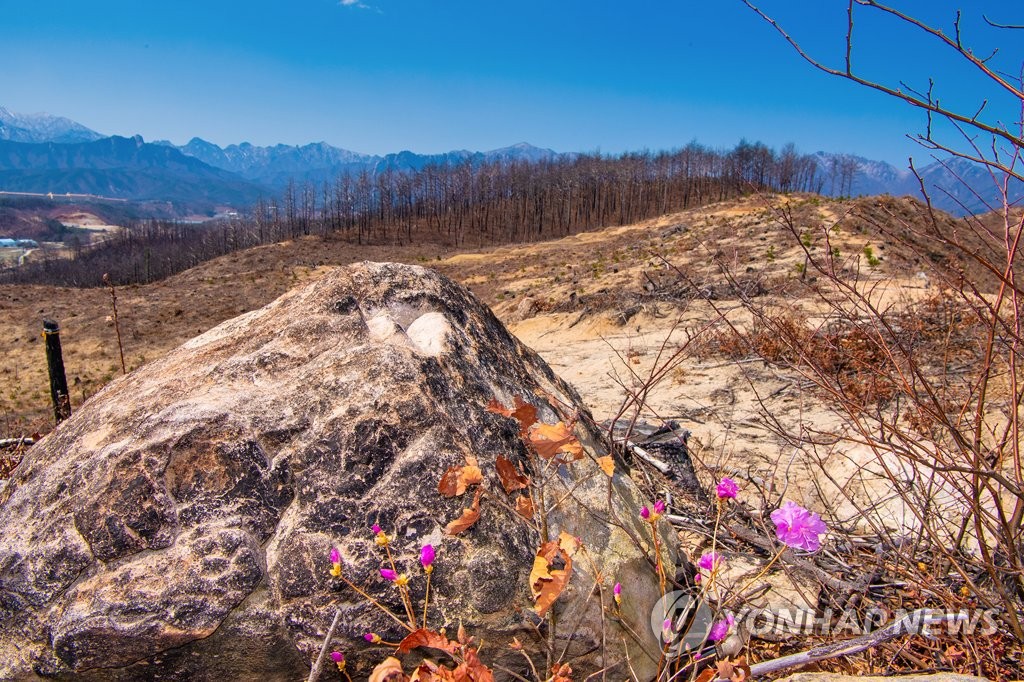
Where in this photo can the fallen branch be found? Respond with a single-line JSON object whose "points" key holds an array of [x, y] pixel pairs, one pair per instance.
{"points": [[15, 442], [914, 622], [645, 456]]}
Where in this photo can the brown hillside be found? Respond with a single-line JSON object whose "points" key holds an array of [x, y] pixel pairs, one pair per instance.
{"points": [[578, 286]]}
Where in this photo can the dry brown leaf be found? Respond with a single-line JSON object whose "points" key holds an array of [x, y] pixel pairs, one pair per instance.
{"points": [[427, 638], [707, 676], [471, 474], [735, 669], [449, 484], [431, 672], [551, 440], [523, 412], [524, 507], [561, 673], [538, 574], [469, 516], [456, 480], [472, 669], [607, 464], [547, 583], [568, 543], [390, 670], [511, 479]]}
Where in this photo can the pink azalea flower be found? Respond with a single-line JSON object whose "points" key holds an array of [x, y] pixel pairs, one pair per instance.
{"points": [[375, 529], [726, 489], [617, 593], [388, 574], [710, 561], [797, 527], [659, 507], [335, 556], [721, 628], [645, 513], [427, 555], [337, 656], [372, 637]]}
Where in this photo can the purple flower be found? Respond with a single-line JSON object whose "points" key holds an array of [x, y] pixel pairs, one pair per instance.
{"points": [[721, 628], [710, 561], [388, 575], [617, 593], [335, 556], [645, 513], [372, 637], [726, 489], [375, 529], [659, 507], [797, 527], [427, 555], [666, 629], [337, 656]]}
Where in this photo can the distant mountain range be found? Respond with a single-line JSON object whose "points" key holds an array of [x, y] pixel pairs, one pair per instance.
{"points": [[955, 185], [43, 128], [274, 166], [121, 168], [50, 154]]}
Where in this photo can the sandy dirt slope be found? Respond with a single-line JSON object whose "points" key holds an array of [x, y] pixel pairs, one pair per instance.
{"points": [[604, 308]]}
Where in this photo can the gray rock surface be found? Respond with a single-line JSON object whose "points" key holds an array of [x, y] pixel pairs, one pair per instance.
{"points": [[179, 525]]}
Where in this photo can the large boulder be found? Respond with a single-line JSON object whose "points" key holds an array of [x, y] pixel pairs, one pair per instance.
{"points": [[179, 525]]}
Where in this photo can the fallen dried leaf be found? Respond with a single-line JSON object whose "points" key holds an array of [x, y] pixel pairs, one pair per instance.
{"points": [[524, 413], [456, 480], [472, 668], [524, 507], [509, 475], [547, 583], [471, 474], [551, 440], [561, 672], [734, 669], [470, 515], [707, 676], [568, 543], [430, 672], [449, 483], [427, 638], [607, 464], [390, 670]]}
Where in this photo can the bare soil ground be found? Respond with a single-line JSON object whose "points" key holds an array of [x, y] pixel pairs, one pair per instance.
{"points": [[604, 308]]}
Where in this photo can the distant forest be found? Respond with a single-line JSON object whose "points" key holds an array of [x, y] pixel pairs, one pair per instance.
{"points": [[462, 205]]}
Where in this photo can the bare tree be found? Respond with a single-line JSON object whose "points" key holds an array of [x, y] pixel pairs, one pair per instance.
{"points": [[948, 438]]}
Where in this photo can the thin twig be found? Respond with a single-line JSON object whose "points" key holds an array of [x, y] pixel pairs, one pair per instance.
{"points": [[318, 666]]}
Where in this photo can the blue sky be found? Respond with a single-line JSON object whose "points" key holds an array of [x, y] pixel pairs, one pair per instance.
{"points": [[379, 76]]}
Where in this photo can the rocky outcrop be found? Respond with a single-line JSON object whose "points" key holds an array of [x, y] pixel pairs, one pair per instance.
{"points": [[179, 525]]}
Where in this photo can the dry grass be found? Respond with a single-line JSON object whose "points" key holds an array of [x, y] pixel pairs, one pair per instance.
{"points": [[622, 271]]}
